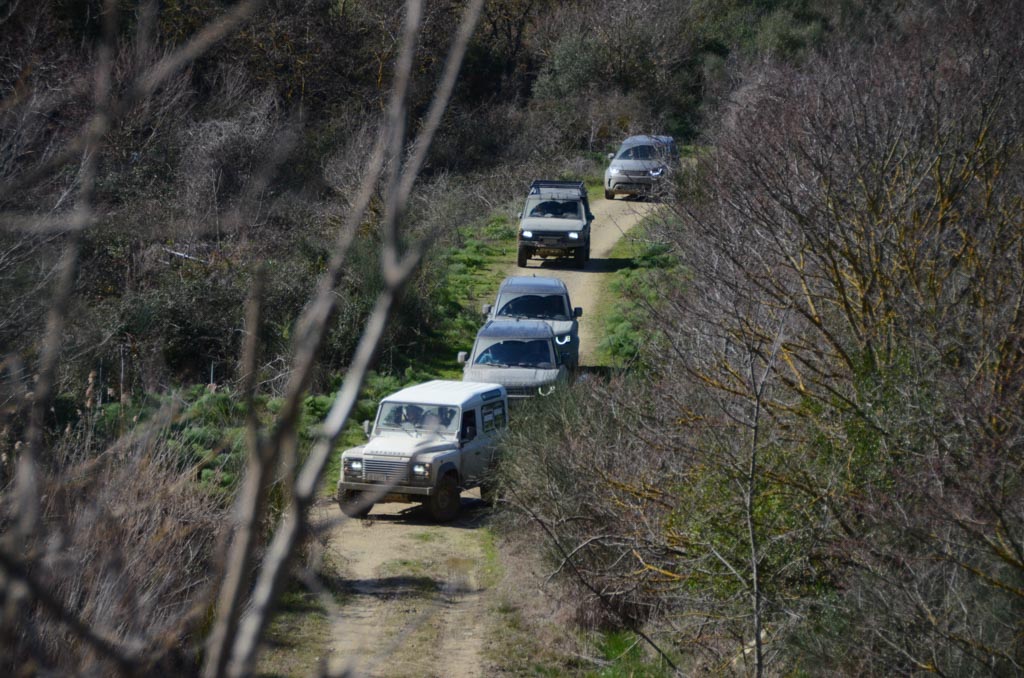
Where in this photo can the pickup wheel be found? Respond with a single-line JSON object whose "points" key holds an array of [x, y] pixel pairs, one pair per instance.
{"points": [[580, 256], [444, 504], [608, 195], [524, 254], [353, 504]]}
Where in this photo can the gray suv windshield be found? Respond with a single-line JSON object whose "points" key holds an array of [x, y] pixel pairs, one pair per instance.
{"points": [[542, 306], [517, 353]]}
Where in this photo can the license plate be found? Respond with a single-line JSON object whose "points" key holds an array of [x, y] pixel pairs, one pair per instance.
{"points": [[376, 477]]}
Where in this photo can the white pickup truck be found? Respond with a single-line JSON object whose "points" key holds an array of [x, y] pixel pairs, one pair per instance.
{"points": [[428, 443]]}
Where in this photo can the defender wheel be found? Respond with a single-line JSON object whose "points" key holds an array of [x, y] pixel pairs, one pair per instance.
{"points": [[608, 195], [353, 504], [523, 256], [444, 504]]}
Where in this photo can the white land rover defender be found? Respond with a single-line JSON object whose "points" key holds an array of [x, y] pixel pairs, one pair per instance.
{"points": [[428, 443]]}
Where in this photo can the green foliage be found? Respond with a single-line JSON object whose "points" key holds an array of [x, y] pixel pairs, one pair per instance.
{"points": [[638, 291]]}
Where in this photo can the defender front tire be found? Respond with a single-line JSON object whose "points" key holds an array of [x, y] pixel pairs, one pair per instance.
{"points": [[353, 504], [444, 504]]}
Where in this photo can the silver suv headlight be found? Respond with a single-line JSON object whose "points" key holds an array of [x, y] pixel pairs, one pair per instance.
{"points": [[614, 170]]}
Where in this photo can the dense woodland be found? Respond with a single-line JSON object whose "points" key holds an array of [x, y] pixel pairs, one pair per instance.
{"points": [[812, 460]]}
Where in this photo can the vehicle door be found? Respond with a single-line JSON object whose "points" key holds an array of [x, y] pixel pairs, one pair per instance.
{"points": [[474, 444]]}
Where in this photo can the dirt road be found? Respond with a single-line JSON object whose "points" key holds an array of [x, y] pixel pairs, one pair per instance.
{"points": [[612, 220], [416, 599]]}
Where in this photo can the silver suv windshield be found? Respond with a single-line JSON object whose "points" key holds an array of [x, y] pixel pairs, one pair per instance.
{"points": [[553, 208], [639, 153], [418, 417], [517, 353], [540, 306]]}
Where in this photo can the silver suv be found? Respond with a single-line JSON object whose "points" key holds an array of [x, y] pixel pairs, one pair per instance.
{"points": [[639, 165], [539, 298], [518, 354], [428, 443]]}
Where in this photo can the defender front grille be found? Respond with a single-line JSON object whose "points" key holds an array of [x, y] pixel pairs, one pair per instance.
{"points": [[385, 471]]}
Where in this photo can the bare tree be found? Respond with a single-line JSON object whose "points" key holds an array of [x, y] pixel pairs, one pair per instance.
{"points": [[242, 612]]}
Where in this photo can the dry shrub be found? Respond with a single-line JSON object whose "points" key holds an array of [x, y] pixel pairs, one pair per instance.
{"points": [[127, 546]]}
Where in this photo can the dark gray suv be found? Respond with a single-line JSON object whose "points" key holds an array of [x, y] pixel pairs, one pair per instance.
{"points": [[545, 299]]}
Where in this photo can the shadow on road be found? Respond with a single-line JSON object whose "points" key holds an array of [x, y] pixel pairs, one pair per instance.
{"points": [[592, 266], [473, 513]]}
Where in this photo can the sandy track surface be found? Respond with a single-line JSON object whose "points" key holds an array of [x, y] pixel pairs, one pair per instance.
{"points": [[416, 600], [612, 220]]}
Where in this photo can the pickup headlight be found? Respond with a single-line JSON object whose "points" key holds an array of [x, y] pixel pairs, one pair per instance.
{"points": [[527, 234], [563, 340], [573, 235]]}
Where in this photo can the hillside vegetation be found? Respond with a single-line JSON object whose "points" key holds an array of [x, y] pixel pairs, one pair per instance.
{"points": [[820, 470], [212, 214]]}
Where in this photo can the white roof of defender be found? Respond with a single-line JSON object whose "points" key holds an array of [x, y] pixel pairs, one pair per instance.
{"points": [[441, 392]]}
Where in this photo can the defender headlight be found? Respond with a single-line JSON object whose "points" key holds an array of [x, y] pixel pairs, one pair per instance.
{"points": [[573, 235], [527, 234], [563, 340], [421, 469], [355, 464]]}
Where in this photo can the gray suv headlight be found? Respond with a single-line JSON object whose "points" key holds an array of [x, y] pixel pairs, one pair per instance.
{"points": [[657, 172], [614, 170], [563, 339], [527, 234]]}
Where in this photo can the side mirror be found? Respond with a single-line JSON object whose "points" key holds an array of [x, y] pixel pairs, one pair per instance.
{"points": [[577, 312], [611, 156], [366, 427], [486, 309], [463, 357]]}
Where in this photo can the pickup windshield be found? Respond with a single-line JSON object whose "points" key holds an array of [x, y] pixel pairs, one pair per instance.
{"points": [[439, 418], [553, 208], [517, 353], [540, 306]]}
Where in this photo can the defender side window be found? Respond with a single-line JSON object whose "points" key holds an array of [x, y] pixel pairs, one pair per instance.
{"points": [[468, 429]]}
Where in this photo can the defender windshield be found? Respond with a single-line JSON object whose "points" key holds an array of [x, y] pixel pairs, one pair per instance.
{"points": [[540, 306], [553, 208], [517, 353], [415, 416]]}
